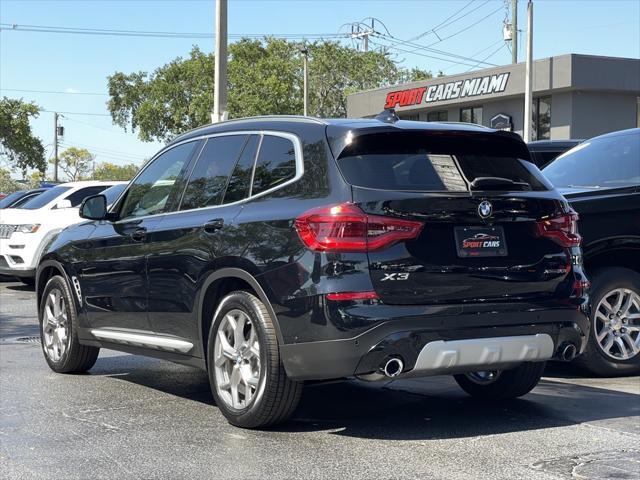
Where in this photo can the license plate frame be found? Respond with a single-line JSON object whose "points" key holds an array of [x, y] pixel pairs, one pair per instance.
{"points": [[484, 241]]}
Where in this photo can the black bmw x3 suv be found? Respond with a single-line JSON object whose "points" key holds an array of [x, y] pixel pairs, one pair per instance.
{"points": [[274, 250]]}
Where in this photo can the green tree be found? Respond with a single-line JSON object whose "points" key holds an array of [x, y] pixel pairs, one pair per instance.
{"points": [[111, 171], [75, 162], [18, 146], [264, 77]]}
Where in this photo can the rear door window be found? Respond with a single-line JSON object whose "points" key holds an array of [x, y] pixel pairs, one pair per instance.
{"points": [[275, 165], [422, 161], [240, 181], [210, 176]]}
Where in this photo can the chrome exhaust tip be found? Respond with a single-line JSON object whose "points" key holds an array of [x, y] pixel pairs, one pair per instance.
{"points": [[392, 367], [568, 352]]}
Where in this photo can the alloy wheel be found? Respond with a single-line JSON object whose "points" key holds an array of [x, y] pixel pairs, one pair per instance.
{"points": [[236, 357], [55, 325], [617, 324]]}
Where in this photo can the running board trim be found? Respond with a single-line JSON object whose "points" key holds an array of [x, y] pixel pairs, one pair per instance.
{"points": [[483, 352], [141, 340]]}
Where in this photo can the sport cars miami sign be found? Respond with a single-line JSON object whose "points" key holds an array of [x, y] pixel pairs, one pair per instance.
{"points": [[470, 87]]}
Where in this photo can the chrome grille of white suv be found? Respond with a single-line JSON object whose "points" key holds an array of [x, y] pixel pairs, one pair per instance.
{"points": [[7, 230]]}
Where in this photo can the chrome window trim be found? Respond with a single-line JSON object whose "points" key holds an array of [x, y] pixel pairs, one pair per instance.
{"points": [[297, 147]]}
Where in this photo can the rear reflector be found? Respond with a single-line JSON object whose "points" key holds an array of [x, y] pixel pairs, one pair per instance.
{"points": [[562, 229], [345, 296], [346, 228]]}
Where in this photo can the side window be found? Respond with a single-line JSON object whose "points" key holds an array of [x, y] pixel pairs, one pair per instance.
{"points": [[210, 175], [155, 190], [240, 181], [78, 196], [275, 165]]}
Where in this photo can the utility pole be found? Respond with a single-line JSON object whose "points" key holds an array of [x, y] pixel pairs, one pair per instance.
{"points": [[305, 57], [55, 147], [358, 31], [528, 86], [514, 31], [220, 75]]}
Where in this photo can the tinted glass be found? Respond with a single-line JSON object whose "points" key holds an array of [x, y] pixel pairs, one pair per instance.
{"points": [[408, 161], [275, 165], [78, 196], [112, 193], [437, 116], [25, 199], [11, 198], [156, 188], [240, 180], [46, 197], [210, 176], [607, 162]]}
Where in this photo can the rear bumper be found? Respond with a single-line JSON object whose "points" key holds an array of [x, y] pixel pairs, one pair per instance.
{"points": [[441, 344]]}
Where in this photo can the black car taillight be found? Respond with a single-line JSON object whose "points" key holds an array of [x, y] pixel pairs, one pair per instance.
{"points": [[562, 229], [346, 228]]}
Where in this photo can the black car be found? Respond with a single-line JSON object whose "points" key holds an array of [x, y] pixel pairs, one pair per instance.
{"points": [[16, 199], [275, 250], [543, 152], [601, 180]]}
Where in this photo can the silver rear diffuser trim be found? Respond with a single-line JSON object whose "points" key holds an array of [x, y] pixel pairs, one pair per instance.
{"points": [[142, 340], [482, 353]]}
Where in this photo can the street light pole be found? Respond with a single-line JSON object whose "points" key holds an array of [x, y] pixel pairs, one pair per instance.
{"points": [[514, 31], [528, 90], [305, 57], [55, 147], [220, 75]]}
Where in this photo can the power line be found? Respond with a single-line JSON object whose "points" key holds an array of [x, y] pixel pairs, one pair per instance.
{"points": [[50, 91], [78, 113], [104, 151], [397, 41], [489, 56], [467, 27], [422, 54], [480, 51], [14, 27]]}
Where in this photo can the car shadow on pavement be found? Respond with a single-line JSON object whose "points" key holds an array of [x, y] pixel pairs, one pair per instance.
{"points": [[21, 287], [431, 408]]}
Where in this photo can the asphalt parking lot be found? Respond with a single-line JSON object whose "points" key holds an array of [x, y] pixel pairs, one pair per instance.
{"points": [[134, 417]]}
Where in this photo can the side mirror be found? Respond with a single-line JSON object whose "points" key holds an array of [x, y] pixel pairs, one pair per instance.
{"points": [[94, 208], [63, 204]]}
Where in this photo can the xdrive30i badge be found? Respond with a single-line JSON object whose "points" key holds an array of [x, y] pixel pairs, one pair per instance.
{"points": [[485, 209]]}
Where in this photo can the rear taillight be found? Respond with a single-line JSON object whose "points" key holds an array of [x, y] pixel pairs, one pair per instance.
{"points": [[562, 229], [346, 228]]}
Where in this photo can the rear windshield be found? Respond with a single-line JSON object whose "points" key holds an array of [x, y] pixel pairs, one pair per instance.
{"points": [[44, 198], [439, 161]]}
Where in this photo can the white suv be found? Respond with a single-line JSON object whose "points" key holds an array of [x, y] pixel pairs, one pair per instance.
{"points": [[26, 230]]}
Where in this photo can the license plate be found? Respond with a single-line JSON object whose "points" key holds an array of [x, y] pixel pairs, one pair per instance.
{"points": [[480, 242]]}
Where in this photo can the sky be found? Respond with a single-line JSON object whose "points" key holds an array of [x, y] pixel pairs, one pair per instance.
{"points": [[78, 65]]}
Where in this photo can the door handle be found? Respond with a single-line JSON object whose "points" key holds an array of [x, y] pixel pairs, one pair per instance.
{"points": [[139, 234], [213, 225]]}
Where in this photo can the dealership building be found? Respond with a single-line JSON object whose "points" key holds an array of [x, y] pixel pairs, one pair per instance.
{"points": [[574, 96]]}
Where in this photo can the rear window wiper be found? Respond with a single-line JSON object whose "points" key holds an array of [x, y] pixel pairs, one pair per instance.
{"points": [[497, 183]]}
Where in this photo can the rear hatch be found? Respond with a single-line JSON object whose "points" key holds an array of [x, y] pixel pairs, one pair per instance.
{"points": [[489, 226]]}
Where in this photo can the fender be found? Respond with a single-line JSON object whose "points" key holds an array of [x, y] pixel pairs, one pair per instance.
{"points": [[58, 266], [242, 275]]}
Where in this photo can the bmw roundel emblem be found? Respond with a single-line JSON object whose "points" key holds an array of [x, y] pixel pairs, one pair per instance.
{"points": [[485, 209]]}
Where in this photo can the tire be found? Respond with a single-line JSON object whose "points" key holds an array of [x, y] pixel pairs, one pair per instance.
{"points": [[69, 356], [594, 359], [268, 396], [511, 383], [31, 282]]}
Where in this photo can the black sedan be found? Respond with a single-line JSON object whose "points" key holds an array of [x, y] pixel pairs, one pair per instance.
{"points": [[601, 180]]}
